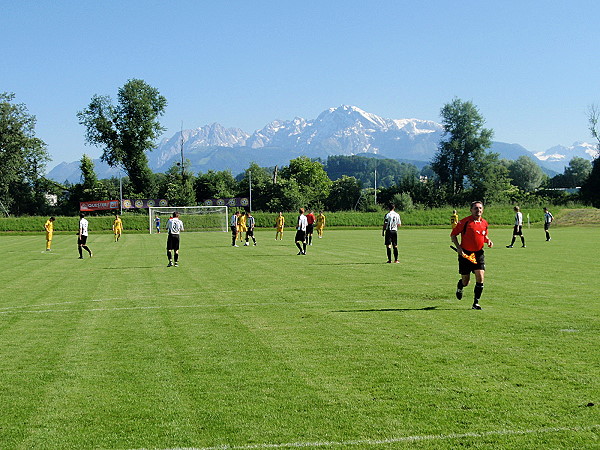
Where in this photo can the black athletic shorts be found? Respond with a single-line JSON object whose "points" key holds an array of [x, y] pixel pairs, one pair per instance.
{"points": [[250, 233], [391, 238], [81, 240], [233, 230], [173, 242], [300, 236], [309, 228], [546, 226], [518, 230], [465, 266]]}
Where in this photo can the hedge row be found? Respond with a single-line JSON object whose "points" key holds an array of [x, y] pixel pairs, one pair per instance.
{"points": [[496, 215]]}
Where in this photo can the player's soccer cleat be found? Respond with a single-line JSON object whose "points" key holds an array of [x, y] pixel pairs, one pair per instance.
{"points": [[91, 254], [459, 293], [170, 264], [81, 257], [523, 246], [475, 306], [235, 245], [176, 264], [509, 246], [255, 244], [246, 245], [396, 262]]}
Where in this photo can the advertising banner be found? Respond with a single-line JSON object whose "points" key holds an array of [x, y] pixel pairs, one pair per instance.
{"points": [[146, 203], [236, 202], [99, 205]]}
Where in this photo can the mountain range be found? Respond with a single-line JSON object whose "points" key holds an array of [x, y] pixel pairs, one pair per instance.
{"points": [[345, 130]]}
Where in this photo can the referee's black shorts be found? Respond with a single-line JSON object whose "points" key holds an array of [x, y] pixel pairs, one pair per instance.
{"points": [[465, 266]]}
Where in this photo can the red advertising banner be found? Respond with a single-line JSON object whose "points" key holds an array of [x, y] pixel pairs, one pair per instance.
{"points": [[99, 205]]}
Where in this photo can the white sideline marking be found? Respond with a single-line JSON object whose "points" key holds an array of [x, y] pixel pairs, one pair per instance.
{"points": [[167, 294], [433, 437], [21, 309]]}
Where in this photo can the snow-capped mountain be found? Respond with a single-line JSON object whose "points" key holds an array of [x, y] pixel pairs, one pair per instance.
{"points": [[559, 156], [345, 130], [214, 135]]}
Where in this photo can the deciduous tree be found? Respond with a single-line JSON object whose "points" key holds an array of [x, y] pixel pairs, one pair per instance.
{"points": [[591, 188], [23, 157], [463, 145], [127, 130], [525, 173]]}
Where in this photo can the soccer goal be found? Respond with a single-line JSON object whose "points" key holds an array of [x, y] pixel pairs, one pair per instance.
{"points": [[194, 218]]}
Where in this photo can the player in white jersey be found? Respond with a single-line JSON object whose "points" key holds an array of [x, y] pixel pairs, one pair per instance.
{"points": [[174, 227], [391, 222], [518, 228], [301, 232], [250, 223], [548, 218], [82, 236], [233, 224]]}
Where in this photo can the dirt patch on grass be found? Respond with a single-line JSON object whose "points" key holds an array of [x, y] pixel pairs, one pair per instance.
{"points": [[570, 217]]}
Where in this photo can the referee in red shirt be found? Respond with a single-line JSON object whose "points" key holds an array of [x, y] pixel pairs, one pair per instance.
{"points": [[474, 234]]}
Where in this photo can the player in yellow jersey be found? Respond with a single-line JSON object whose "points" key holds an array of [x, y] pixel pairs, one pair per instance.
{"points": [[117, 227], [279, 225], [242, 228], [320, 224], [454, 219], [49, 227]]}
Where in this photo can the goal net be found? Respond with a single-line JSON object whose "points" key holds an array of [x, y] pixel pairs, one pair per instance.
{"points": [[194, 218]]}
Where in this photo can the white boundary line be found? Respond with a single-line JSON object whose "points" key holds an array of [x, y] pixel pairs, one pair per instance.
{"points": [[433, 437], [166, 294], [22, 310]]}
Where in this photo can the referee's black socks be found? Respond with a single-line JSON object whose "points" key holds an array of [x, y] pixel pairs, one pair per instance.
{"points": [[478, 291]]}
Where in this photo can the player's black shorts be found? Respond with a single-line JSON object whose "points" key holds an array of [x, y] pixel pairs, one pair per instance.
{"points": [[546, 225], [233, 230], [173, 242], [250, 233], [309, 228], [300, 236], [465, 266], [81, 240], [518, 230], [391, 238]]}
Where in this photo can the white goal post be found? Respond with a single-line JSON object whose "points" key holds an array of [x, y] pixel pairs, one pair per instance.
{"points": [[194, 218]]}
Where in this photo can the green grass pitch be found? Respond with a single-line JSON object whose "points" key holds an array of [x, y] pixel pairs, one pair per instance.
{"points": [[256, 347]]}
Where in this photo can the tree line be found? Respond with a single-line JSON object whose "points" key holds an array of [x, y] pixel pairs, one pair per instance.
{"points": [[463, 168]]}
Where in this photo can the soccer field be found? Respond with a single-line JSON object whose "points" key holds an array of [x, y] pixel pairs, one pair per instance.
{"points": [[257, 348]]}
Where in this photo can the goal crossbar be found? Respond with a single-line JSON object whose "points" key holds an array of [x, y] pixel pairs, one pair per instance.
{"points": [[194, 218]]}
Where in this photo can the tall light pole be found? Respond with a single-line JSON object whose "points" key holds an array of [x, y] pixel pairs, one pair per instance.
{"points": [[121, 190], [182, 167], [250, 187], [376, 186]]}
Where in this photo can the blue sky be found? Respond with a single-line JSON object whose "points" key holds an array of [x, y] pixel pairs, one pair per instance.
{"points": [[531, 67]]}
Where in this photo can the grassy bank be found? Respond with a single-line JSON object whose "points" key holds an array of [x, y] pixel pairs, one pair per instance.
{"points": [[438, 217]]}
